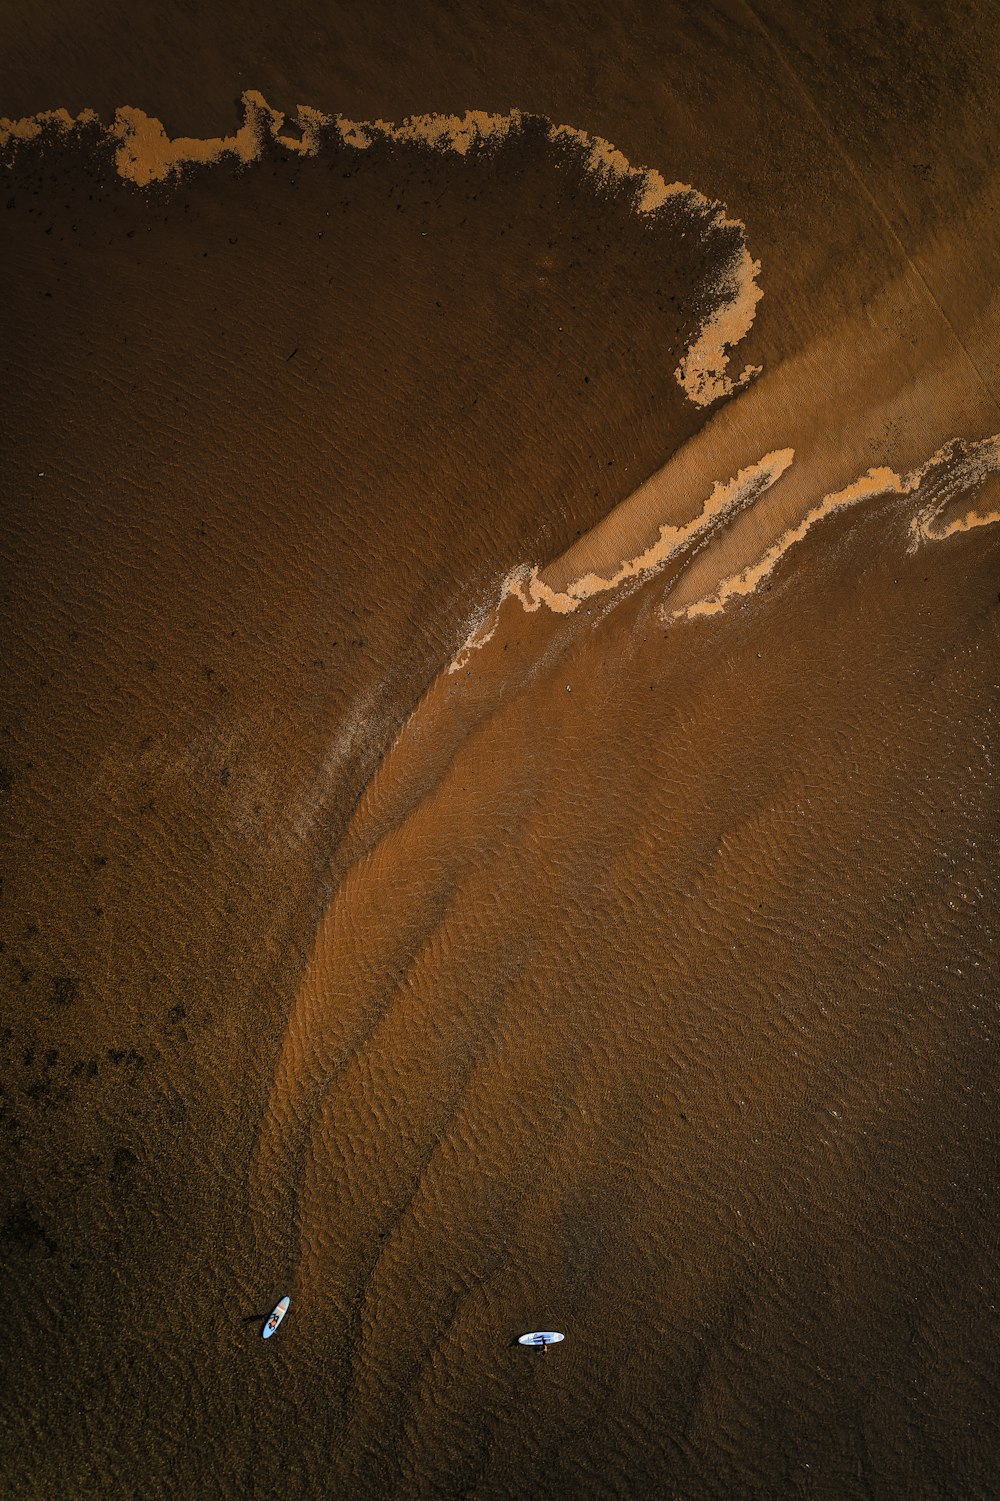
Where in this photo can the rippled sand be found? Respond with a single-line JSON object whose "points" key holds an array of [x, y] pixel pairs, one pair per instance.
{"points": [[499, 739]]}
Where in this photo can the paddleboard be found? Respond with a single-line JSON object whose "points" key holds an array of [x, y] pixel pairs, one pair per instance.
{"points": [[541, 1337], [277, 1314]]}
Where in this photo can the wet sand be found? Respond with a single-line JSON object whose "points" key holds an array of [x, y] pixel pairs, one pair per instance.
{"points": [[494, 842]]}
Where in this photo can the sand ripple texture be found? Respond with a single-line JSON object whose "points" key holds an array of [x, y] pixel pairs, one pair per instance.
{"points": [[701, 1041], [494, 841]]}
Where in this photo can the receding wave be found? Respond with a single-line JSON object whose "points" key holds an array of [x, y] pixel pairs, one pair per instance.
{"points": [[958, 469], [528, 585], [144, 154], [955, 471]]}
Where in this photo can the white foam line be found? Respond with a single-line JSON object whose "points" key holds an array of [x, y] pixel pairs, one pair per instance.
{"points": [[955, 468], [145, 154], [526, 585]]}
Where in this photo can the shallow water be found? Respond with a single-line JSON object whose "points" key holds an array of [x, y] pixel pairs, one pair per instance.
{"points": [[458, 967]]}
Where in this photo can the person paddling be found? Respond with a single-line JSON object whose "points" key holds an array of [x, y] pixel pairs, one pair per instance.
{"points": [[541, 1338]]}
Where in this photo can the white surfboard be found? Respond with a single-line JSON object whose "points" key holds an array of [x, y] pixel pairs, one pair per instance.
{"points": [[541, 1337], [277, 1314]]}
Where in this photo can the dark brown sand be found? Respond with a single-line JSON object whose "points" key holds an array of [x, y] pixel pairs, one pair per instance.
{"points": [[623, 971]]}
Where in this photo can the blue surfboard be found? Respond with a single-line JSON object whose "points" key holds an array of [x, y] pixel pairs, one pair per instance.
{"points": [[541, 1337]]}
